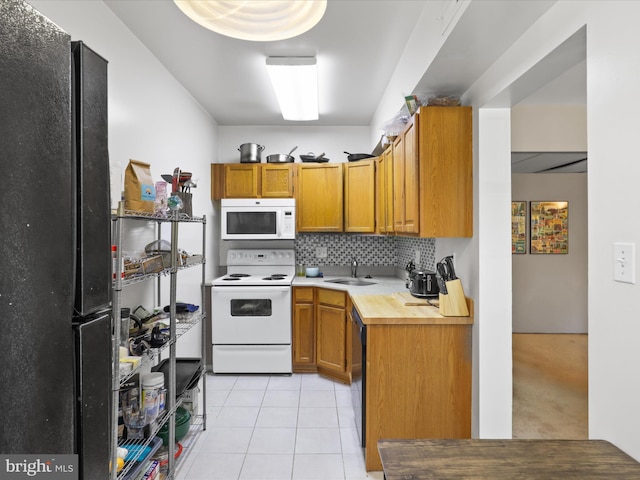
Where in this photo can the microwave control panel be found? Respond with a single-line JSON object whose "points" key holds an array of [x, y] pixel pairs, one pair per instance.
{"points": [[288, 223]]}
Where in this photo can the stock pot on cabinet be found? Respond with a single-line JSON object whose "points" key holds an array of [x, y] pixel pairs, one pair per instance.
{"points": [[250, 152]]}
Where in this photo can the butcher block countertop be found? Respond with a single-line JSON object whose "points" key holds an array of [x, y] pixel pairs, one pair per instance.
{"points": [[390, 310]]}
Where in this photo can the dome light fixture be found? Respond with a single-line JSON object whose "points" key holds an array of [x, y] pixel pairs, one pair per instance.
{"points": [[255, 20]]}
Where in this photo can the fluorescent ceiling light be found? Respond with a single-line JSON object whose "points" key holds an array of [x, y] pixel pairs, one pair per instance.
{"points": [[256, 20], [295, 80]]}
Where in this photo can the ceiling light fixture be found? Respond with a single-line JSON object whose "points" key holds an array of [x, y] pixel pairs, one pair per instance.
{"points": [[255, 20], [295, 80]]}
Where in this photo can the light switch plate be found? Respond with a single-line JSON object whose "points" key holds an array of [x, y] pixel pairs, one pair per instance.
{"points": [[624, 262], [321, 252]]}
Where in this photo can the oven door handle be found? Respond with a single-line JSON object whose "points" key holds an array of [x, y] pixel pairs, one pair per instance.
{"points": [[251, 288]]}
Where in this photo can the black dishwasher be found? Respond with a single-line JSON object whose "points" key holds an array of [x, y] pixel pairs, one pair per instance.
{"points": [[359, 366]]}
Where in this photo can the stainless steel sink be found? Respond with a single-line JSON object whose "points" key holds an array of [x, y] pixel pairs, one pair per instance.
{"points": [[351, 281]]}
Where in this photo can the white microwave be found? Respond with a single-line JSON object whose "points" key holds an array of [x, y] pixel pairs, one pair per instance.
{"points": [[258, 219]]}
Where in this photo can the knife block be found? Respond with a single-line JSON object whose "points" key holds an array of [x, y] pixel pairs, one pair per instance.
{"points": [[454, 303]]}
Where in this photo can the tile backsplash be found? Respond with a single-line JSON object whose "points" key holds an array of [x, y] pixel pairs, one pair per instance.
{"points": [[370, 250], [407, 246]]}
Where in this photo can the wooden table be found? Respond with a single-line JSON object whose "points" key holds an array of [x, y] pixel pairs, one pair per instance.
{"points": [[505, 459]]}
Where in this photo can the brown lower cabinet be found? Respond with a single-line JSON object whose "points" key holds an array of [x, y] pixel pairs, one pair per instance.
{"points": [[321, 332], [418, 384], [418, 368], [418, 373], [304, 330]]}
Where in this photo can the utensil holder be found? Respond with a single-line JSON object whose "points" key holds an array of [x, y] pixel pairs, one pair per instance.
{"points": [[187, 202], [454, 303]]}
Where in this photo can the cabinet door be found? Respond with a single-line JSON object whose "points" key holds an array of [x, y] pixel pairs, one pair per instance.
{"points": [[304, 330], [331, 338], [398, 185], [319, 198], [359, 196], [446, 182], [331, 333], [411, 178], [277, 180], [381, 213], [406, 194], [241, 180], [384, 192], [388, 190], [217, 181]]}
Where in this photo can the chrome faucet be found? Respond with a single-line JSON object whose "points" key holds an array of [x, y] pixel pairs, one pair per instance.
{"points": [[354, 267]]}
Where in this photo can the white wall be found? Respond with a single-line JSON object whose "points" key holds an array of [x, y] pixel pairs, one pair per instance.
{"points": [[550, 291], [613, 67], [492, 327], [549, 128], [151, 118], [333, 141]]}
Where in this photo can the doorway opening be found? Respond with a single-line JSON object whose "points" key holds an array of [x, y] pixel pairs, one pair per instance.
{"points": [[550, 292]]}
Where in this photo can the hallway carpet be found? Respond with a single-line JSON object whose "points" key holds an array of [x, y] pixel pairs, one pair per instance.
{"points": [[550, 386]]}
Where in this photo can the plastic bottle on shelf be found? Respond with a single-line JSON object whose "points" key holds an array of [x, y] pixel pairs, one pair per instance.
{"points": [[152, 394]]}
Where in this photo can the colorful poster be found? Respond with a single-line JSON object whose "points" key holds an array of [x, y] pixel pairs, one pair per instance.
{"points": [[518, 227], [549, 227]]}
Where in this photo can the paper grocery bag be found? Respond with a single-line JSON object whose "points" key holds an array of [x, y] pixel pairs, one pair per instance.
{"points": [[139, 188]]}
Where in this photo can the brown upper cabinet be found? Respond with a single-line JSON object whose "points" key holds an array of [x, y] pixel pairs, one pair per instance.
{"points": [[422, 185], [319, 196], [277, 180], [251, 180], [432, 174], [384, 192], [406, 160], [360, 196], [446, 172]]}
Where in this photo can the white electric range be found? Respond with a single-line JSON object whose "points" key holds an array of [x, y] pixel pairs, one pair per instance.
{"points": [[251, 312]]}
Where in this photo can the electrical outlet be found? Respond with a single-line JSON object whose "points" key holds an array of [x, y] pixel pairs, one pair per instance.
{"points": [[624, 262], [416, 257], [321, 252]]}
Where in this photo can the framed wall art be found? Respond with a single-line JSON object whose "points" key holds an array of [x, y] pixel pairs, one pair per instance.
{"points": [[549, 227], [518, 227]]}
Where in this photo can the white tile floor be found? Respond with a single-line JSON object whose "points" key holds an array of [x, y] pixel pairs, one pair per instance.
{"points": [[262, 427]]}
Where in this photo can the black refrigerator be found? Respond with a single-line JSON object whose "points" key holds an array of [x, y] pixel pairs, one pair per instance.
{"points": [[55, 260]]}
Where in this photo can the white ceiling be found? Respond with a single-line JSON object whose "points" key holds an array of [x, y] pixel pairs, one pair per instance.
{"points": [[548, 162], [357, 43]]}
